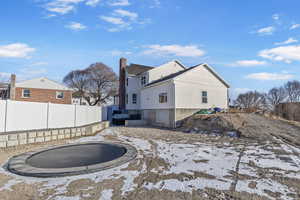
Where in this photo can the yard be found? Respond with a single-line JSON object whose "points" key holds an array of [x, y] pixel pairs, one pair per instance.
{"points": [[263, 164]]}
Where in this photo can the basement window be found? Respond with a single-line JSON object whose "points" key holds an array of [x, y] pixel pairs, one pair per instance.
{"points": [[163, 97], [204, 97], [25, 93], [59, 95], [134, 98]]}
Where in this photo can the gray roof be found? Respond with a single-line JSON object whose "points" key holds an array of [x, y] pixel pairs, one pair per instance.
{"points": [[136, 69], [4, 85]]}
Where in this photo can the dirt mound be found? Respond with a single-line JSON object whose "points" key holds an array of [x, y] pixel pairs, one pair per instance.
{"points": [[254, 127], [213, 124], [208, 123]]}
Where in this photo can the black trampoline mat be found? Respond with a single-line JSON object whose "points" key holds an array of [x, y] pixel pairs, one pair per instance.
{"points": [[76, 155]]}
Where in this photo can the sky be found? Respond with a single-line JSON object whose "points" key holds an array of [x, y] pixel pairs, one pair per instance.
{"points": [[252, 44]]}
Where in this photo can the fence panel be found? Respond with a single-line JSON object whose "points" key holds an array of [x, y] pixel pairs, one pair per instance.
{"points": [[104, 113], [19, 115], [81, 115], [94, 114], [2, 115], [26, 116], [61, 116]]}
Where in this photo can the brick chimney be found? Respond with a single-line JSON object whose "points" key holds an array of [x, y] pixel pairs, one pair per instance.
{"points": [[12, 91], [122, 88]]}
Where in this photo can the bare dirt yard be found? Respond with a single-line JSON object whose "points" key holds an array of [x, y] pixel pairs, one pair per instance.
{"points": [[264, 163]]}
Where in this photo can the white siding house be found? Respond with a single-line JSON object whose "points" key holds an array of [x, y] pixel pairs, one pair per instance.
{"points": [[166, 94]]}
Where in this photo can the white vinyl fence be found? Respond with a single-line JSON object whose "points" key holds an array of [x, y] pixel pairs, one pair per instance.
{"points": [[18, 115]]}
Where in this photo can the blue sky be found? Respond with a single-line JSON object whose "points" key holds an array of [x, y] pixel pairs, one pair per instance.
{"points": [[251, 44]]}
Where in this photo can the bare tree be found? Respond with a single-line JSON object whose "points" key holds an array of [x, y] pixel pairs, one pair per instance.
{"points": [[293, 91], [96, 84], [275, 96], [251, 100]]}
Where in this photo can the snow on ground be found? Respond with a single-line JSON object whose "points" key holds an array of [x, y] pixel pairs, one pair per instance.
{"points": [[106, 194], [62, 183], [263, 158], [216, 164], [268, 159], [262, 185], [188, 158]]}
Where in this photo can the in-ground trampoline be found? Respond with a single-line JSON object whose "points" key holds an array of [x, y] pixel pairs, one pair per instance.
{"points": [[73, 159]]}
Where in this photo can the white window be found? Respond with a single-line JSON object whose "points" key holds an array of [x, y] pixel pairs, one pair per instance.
{"points": [[134, 98], [143, 80], [163, 97], [25, 93], [59, 95], [204, 97]]}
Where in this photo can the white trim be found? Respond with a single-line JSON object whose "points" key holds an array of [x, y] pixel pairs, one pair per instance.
{"points": [[63, 94], [23, 93]]}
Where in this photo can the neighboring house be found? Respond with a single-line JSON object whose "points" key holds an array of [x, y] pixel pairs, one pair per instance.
{"points": [[4, 91], [167, 94], [40, 90]]}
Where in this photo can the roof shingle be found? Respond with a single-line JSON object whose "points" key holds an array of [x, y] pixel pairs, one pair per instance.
{"points": [[136, 69]]}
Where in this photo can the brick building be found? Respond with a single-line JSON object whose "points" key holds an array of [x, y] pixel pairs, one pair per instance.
{"points": [[40, 90]]}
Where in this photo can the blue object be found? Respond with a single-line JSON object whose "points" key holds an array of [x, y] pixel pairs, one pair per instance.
{"points": [[216, 109]]}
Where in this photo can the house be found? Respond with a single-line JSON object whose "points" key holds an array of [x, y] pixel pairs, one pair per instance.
{"points": [[40, 90], [4, 91], [166, 94]]}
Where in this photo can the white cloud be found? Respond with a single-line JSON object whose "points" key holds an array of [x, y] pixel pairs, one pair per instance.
{"points": [[241, 90], [156, 4], [276, 17], [122, 20], [294, 26], [119, 3], [62, 6], [113, 20], [29, 73], [120, 53], [32, 72], [236, 91], [288, 41], [248, 63], [269, 76], [92, 3], [175, 50], [25, 73], [16, 50], [125, 13], [39, 64], [4, 76], [266, 30], [283, 53], [76, 26]]}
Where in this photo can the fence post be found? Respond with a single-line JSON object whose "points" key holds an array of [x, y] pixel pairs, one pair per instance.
{"points": [[5, 118], [48, 115], [75, 115]]}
